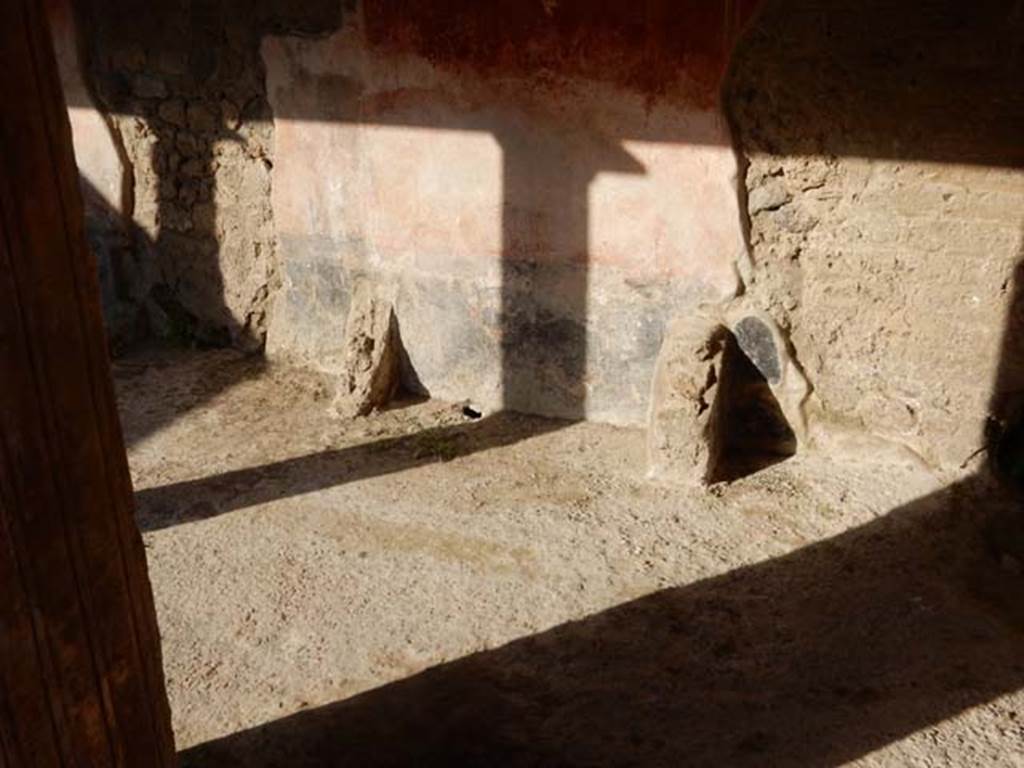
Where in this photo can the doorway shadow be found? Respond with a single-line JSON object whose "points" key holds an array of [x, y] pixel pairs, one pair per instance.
{"points": [[814, 658], [191, 500]]}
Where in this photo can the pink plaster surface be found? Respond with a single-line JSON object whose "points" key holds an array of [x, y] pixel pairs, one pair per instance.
{"points": [[95, 151], [409, 161], [678, 219], [573, 213]]}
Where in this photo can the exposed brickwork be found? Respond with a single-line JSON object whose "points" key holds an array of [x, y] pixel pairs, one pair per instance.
{"points": [[184, 84]]}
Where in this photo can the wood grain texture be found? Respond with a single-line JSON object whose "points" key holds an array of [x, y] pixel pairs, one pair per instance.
{"points": [[81, 681]]}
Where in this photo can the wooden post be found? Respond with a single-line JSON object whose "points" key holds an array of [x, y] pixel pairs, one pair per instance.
{"points": [[81, 682]]}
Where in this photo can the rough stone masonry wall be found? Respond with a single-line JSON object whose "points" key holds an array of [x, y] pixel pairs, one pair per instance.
{"points": [[885, 144], [183, 84]]}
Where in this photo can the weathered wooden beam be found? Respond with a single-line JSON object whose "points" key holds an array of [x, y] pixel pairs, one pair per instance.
{"points": [[81, 681]]}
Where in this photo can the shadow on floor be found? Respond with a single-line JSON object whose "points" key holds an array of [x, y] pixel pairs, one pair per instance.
{"points": [[815, 658], [168, 505], [136, 375]]}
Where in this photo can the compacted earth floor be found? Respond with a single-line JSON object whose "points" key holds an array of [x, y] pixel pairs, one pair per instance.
{"points": [[422, 588]]}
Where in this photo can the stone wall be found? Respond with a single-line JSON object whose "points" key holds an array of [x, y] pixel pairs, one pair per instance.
{"points": [[182, 86], [886, 202]]}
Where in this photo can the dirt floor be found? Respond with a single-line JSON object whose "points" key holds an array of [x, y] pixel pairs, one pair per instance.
{"points": [[420, 588]]}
